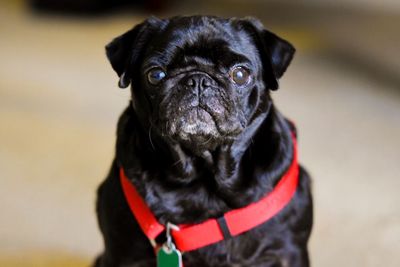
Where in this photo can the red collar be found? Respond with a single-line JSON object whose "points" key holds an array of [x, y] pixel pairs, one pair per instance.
{"points": [[232, 223]]}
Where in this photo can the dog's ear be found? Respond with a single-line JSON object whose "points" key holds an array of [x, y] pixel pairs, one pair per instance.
{"points": [[276, 53], [124, 51]]}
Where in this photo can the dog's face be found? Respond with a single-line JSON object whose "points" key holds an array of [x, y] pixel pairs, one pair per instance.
{"points": [[199, 81]]}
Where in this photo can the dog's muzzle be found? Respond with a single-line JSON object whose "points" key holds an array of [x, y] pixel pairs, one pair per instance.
{"points": [[201, 113]]}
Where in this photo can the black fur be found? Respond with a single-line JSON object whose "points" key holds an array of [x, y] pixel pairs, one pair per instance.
{"points": [[237, 151]]}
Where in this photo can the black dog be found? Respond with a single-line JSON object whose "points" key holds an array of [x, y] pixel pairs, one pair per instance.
{"points": [[201, 137]]}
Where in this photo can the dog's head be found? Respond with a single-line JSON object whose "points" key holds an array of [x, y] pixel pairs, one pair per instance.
{"points": [[199, 81]]}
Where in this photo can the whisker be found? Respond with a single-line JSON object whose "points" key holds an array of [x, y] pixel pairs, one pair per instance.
{"points": [[207, 141], [151, 141], [177, 162]]}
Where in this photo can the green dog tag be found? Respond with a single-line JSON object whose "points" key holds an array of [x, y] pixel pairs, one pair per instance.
{"points": [[169, 257]]}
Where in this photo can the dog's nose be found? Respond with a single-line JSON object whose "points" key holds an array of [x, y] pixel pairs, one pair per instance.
{"points": [[200, 81]]}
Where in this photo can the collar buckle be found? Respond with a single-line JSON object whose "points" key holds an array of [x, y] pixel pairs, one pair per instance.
{"points": [[169, 227]]}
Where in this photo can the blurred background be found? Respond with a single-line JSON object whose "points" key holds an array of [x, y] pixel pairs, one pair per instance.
{"points": [[59, 104]]}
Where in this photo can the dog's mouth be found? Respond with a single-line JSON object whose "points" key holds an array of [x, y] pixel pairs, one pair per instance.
{"points": [[195, 126], [199, 128]]}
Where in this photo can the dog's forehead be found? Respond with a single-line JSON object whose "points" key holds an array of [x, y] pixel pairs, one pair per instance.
{"points": [[209, 37], [191, 29]]}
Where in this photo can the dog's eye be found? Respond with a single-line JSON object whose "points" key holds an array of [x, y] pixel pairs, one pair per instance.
{"points": [[240, 75], [155, 75]]}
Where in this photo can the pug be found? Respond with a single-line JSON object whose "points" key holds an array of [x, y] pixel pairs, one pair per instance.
{"points": [[200, 143]]}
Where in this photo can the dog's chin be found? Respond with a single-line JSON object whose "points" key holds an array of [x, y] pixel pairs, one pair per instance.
{"points": [[197, 131]]}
